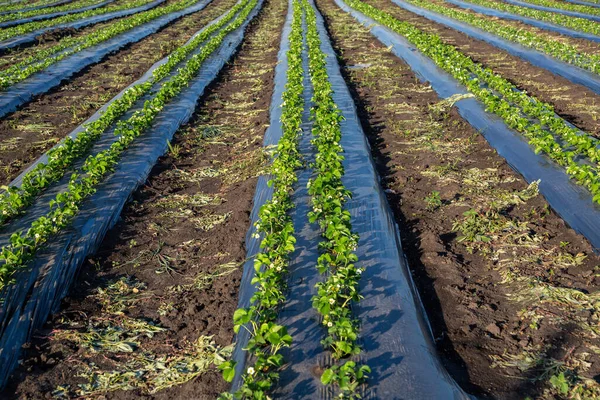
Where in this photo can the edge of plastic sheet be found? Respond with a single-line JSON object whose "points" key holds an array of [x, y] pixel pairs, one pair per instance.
{"points": [[55, 4], [262, 194], [526, 20], [395, 333], [31, 37], [17, 182], [42, 17], [554, 10], [40, 288], [572, 202], [21, 93], [570, 72], [584, 3]]}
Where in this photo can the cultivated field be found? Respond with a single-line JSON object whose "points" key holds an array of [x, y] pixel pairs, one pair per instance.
{"points": [[299, 199]]}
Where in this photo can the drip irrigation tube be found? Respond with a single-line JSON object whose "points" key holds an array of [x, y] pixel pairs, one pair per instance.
{"points": [[396, 337], [31, 37], [20, 10], [570, 200], [529, 21], [41, 82], [572, 73], [554, 10], [8, 24], [39, 288]]}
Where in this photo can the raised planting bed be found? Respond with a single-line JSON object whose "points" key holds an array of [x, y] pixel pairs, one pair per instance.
{"points": [[93, 191]]}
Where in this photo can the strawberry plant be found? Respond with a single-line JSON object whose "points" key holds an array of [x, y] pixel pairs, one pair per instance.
{"points": [[22, 29], [267, 338], [578, 24], [65, 206], [15, 199], [71, 45], [536, 120], [563, 51], [340, 289]]}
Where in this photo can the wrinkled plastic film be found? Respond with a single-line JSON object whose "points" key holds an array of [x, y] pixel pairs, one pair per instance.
{"points": [[554, 10], [55, 4], [108, 136], [41, 82], [39, 289], [572, 73], [31, 38], [42, 17], [529, 21], [571, 201], [262, 194], [395, 331], [299, 379]]}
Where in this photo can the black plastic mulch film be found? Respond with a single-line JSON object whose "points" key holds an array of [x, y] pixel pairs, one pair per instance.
{"points": [[30, 38], [554, 10], [584, 3], [58, 3], [40, 288], [21, 93], [572, 73], [571, 201], [395, 333], [8, 24], [529, 21]]}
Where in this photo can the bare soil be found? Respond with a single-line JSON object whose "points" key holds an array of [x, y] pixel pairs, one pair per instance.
{"points": [[29, 132], [181, 240], [575, 103], [485, 325]]}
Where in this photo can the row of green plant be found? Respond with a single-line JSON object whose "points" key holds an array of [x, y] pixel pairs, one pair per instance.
{"points": [[22, 29], [71, 45], [267, 338], [16, 198], [563, 51], [340, 290], [563, 5], [62, 8], [578, 24], [20, 6], [501, 97], [83, 183]]}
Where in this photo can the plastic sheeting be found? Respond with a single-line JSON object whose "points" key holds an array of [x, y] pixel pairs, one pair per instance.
{"points": [[31, 37], [571, 201], [58, 3], [572, 73], [39, 288], [396, 337], [530, 21], [41, 17], [554, 10], [262, 194], [23, 92], [584, 3]]}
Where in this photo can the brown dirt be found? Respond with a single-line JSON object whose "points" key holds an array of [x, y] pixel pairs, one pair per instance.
{"points": [[419, 151], [51, 38], [582, 44], [26, 134], [575, 103], [236, 109]]}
